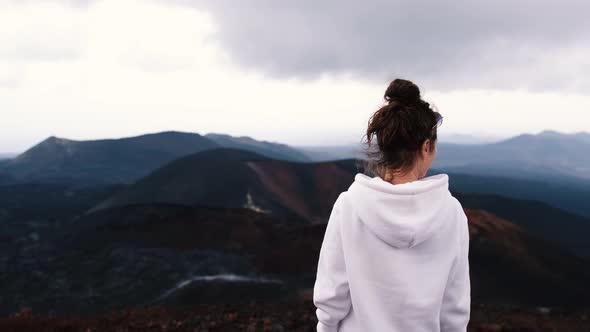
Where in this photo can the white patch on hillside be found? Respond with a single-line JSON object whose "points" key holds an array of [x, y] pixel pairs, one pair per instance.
{"points": [[252, 206]]}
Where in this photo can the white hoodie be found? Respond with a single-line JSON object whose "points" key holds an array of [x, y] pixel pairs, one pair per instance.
{"points": [[394, 259]]}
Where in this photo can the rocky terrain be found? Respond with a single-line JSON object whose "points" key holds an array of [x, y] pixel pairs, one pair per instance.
{"points": [[296, 316], [170, 255]]}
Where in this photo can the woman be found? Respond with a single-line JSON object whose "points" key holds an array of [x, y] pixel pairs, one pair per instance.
{"points": [[395, 252]]}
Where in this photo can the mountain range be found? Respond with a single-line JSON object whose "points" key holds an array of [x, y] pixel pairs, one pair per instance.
{"points": [[550, 166], [122, 160], [548, 155]]}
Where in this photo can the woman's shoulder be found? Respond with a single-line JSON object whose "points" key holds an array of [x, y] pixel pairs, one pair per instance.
{"points": [[461, 216]]}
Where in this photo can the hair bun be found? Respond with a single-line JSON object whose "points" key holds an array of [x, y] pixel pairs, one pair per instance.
{"points": [[402, 91]]}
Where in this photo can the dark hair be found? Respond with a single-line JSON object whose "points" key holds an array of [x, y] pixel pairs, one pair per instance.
{"points": [[399, 129]]}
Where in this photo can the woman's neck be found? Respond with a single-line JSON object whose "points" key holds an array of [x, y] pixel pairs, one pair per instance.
{"points": [[391, 177]]}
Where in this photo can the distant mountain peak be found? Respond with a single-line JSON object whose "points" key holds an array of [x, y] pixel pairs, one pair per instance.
{"points": [[51, 144], [241, 138], [217, 135], [553, 134], [550, 132], [547, 135], [270, 149], [53, 141], [170, 133], [56, 140]]}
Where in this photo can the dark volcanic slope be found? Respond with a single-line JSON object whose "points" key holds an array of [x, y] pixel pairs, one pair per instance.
{"points": [[29, 210], [538, 218], [5, 178], [281, 245], [510, 266], [147, 254], [137, 255], [238, 178]]}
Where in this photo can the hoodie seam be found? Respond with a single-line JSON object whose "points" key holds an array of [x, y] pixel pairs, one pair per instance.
{"points": [[367, 183]]}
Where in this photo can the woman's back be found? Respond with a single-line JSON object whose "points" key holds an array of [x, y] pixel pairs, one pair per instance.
{"points": [[389, 255]]}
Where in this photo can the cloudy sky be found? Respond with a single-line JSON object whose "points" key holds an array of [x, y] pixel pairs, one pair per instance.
{"points": [[303, 72]]}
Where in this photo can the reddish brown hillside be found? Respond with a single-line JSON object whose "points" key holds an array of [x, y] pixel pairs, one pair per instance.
{"points": [[509, 264], [229, 178], [307, 189]]}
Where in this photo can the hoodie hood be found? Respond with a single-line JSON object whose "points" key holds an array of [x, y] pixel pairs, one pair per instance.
{"points": [[402, 215]]}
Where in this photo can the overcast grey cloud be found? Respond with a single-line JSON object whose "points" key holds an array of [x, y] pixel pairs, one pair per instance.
{"points": [[538, 45]]}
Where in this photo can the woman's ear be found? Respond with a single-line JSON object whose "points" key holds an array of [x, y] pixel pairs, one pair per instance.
{"points": [[426, 146]]}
